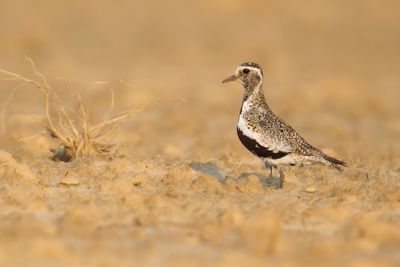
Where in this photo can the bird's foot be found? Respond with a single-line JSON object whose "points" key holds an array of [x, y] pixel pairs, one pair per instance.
{"points": [[270, 178]]}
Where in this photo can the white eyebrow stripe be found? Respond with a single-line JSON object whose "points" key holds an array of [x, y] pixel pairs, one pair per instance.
{"points": [[250, 68]]}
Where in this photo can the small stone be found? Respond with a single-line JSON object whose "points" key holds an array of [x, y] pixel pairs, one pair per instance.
{"points": [[69, 181], [310, 189]]}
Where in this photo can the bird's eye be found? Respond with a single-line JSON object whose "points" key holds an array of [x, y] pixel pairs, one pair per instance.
{"points": [[246, 71]]}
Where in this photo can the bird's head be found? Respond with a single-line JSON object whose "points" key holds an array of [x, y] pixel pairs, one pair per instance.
{"points": [[249, 74]]}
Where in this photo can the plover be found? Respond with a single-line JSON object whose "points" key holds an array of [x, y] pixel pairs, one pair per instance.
{"points": [[265, 134]]}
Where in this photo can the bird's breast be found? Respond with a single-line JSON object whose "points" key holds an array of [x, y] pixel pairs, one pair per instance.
{"points": [[251, 143]]}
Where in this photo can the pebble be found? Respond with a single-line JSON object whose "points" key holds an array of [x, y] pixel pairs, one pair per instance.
{"points": [[69, 181], [310, 189]]}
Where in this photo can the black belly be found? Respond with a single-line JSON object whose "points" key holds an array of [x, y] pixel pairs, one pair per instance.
{"points": [[258, 149]]}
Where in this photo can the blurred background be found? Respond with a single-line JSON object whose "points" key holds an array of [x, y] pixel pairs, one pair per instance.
{"points": [[330, 60], [332, 72], [324, 61]]}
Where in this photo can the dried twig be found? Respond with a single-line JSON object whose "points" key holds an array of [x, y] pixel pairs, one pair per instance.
{"points": [[4, 110], [73, 130], [77, 136]]}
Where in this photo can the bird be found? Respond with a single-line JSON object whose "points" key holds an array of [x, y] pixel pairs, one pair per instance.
{"points": [[266, 135]]}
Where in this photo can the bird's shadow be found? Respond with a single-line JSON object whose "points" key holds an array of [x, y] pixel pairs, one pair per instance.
{"points": [[210, 168]]}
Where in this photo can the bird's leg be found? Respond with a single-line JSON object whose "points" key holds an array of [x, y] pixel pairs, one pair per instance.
{"points": [[271, 178], [281, 176], [269, 166]]}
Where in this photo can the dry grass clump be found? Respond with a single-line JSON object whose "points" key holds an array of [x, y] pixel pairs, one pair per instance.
{"points": [[76, 135]]}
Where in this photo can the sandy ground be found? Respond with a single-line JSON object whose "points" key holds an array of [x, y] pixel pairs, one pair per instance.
{"points": [[183, 191]]}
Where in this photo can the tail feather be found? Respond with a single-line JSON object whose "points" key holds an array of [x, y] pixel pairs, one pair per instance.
{"points": [[337, 164]]}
